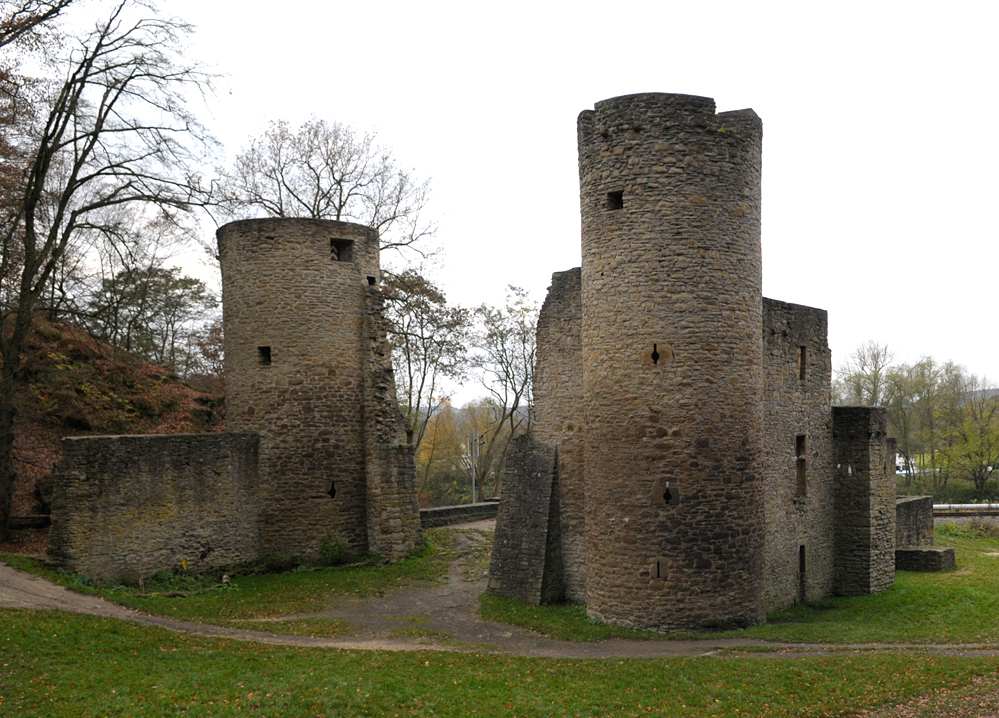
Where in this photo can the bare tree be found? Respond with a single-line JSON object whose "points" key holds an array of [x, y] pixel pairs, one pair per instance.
{"points": [[504, 361], [23, 21], [863, 377], [114, 131], [326, 170], [429, 346]]}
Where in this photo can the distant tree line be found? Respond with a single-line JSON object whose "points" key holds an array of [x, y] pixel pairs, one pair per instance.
{"points": [[946, 419]]}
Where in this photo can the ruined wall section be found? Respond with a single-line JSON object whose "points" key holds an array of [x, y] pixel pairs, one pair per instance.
{"points": [[672, 362], [393, 518], [126, 507], [865, 500], [294, 319], [526, 562], [798, 454], [558, 395]]}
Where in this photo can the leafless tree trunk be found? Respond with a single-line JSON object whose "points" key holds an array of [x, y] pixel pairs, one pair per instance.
{"points": [[114, 132]]}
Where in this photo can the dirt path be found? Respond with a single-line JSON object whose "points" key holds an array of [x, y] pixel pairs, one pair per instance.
{"points": [[440, 617]]}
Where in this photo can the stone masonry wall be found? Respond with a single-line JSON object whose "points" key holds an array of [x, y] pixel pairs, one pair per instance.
{"points": [[672, 362], [558, 391], [865, 500], [913, 521], [800, 489], [304, 370], [125, 507], [526, 563], [394, 528]]}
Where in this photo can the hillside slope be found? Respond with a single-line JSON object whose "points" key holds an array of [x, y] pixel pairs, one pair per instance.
{"points": [[74, 385]]}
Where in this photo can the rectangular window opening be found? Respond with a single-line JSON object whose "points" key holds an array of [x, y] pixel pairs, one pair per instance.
{"points": [[264, 356], [801, 465], [341, 250], [615, 200], [802, 362]]}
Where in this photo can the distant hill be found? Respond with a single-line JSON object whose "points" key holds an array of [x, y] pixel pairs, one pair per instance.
{"points": [[74, 385]]}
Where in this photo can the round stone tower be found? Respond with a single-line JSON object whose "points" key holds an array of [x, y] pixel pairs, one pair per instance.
{"points": [[672, 362], [295, 293]]}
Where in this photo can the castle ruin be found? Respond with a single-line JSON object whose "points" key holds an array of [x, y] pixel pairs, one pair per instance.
{"points": [[686, 470], [315, 444]]}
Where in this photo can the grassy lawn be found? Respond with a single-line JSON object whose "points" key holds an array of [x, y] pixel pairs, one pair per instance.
{"points": [[954, 607], [66, 665], [54, 664]]}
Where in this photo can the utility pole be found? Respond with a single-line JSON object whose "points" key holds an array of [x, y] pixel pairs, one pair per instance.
{"points": [[474, 442]]}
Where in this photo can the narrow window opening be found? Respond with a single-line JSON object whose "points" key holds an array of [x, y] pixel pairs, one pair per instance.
{"points": [[264, 356], [801, 465], [659, 570], [615, 200], [655, 354], [332, 491], [802, 362], [802, 582], [667, 494], [341, 250]]}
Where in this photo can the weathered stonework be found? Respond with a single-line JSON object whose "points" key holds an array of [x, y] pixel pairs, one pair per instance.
{"points": [[913, 521], [558, 384], [694, 414], [799, 488], [672, 362], [914, 549], [307, 368], [129, 506], [526, 563], [308, 373], [865, 508]]}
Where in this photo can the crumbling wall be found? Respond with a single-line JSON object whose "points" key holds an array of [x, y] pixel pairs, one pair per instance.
{"points": [[800, 487], [865, 500], [914, 521], [559, 421], [394, 528], [125, 507], [526, 563]]}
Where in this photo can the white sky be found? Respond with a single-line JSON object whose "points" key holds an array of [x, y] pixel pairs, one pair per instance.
{"points": [[879, 183]]}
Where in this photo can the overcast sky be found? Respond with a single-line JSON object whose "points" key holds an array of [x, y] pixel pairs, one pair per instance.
{"points": [[879, 155]]}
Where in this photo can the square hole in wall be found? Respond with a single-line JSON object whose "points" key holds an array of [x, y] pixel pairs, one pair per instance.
{"points": [[615, 200], [264, 356], [341, 250]]}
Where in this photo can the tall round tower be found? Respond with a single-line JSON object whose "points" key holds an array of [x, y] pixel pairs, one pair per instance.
{"points": [[296, 352], [672, 362]]}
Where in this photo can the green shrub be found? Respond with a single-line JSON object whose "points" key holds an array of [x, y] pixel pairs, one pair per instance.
{"points": [[333, 551]]}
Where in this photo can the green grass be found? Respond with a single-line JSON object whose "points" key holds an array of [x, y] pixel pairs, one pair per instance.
{"points": [[81, 666], [259, 596], [952, 607], [566, 622]]}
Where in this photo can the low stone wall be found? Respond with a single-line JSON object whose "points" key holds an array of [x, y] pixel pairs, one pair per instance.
{"points": [[125, 507], [450, 515], [913, 521], [924, 558]]}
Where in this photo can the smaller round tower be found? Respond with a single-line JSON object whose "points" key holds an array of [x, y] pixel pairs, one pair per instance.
{"points": [[300, 345]]}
